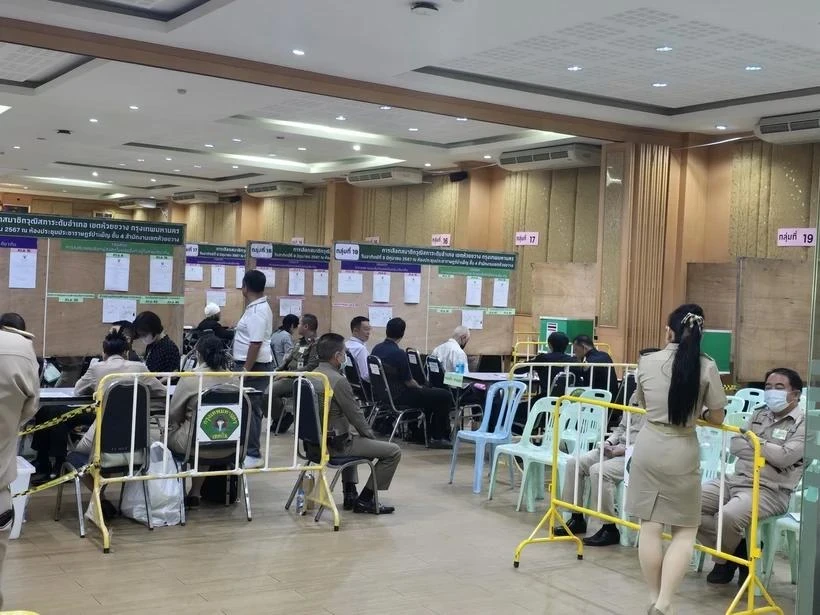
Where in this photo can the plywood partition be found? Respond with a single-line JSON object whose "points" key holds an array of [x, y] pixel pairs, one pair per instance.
{"points": [[713, 286], [277, 260], [200, 259], [773, 316], [28, 302], [564, 289]]}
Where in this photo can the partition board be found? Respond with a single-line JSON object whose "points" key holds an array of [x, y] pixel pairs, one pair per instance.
{"points": [[566, 289], [443, 278], [713, 286], [773, 316], [65, 309], [201, 259], [284, 265]]}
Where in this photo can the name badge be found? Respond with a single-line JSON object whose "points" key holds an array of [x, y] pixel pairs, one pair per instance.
{"points": [[780, 434]]}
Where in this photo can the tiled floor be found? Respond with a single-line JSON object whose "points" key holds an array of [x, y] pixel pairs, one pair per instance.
{"points": [[445, 551]]}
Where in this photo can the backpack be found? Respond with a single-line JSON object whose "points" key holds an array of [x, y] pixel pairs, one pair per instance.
{"points": [[214, 487]]}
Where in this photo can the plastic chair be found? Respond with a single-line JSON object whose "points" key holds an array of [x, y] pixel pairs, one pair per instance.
{"points": [[734, 404], [586, 430], [484, 439], [416, 366], [737, 419], [712, 451], [790, 526], [753, 397]]}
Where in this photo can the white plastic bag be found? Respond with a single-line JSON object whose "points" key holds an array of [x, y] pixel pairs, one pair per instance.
{"points": [[165, 495]]}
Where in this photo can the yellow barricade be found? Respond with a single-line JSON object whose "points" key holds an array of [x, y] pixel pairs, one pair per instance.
{"points": [[321, 494], [553, 516]]}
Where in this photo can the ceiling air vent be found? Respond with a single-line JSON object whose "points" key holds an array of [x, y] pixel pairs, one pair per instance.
{"points": [[276, 189], [394, 176], [797, 128], [195, 197], [567, 156]]}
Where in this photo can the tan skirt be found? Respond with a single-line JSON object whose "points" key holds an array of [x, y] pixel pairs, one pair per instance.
{"points": [[664, 476]]}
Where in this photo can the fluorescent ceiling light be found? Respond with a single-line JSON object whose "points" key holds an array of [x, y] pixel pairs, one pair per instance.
{"points": [[659, 84], [720, 127], [298, 52], [134, 107], [574, 68], [83, 183], [663, 49], [385, 108], [753, 67], [93, 120]]}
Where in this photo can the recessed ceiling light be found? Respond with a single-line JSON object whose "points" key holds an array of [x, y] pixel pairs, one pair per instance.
{"points": [[93, 120], [461, 119], [234, 166], [753, 67], [413, 129], [25, 187], [659, 84], [95, 174], [663, 49], [176, 170], [487, 156], [140, 159], [302, 149], [209, 145], [298, 52], [65, 190], [153, 180], [197, 166], [385, 107], [122, 164], [357, 148], [15, 147], [272, 155], [341, 118], [427, 164], [235, 140], [720, 127], [168, 159], [133, 107], [574, 68]]}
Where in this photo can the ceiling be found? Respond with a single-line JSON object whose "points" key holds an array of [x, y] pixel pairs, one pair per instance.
{"points": [[726, 63]]}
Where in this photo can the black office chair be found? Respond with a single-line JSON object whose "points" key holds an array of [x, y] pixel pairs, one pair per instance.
{"points": [[435, 373], [360, 388], [309, 431], [416, 366], [385, 405]]}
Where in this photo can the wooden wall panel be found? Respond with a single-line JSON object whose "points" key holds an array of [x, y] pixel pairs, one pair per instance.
{"points": [[713, 286], [563, 289], [280, 220]]}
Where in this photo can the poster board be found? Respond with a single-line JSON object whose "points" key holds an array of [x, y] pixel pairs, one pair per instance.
{"points": [[203, 258], [718, 345], [65, 308], [284, 260], [449, 283]]}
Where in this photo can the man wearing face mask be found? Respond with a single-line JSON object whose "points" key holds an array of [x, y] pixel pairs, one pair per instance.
{"points": [[780, 425], [344, 413]]}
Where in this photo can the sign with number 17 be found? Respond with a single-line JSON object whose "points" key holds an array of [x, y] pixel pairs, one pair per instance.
{"points": [[796, 237], [526, 238]]}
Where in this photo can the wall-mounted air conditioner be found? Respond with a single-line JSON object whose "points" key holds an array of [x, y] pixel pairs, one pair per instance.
{"points": [[394, 176], [137, 204], [195, 197], [569, 156], [277, 189], [796, 128]]}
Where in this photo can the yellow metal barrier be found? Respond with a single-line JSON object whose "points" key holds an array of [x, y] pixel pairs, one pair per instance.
{"points": [[553, 515], [321, 494]]}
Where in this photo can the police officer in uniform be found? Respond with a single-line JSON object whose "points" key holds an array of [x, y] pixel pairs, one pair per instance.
{"points": [[781, 427]]}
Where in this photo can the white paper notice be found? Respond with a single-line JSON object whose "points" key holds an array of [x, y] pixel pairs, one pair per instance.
{"points": [[501, 292], [240, 274], [220, 297], [270, 276], [119, 309], [412, 287], [296, 282], [217, 276], [22, 268], [381, 287], [290, 306], [472, 319], [320, 285], [379, 315], [117, 270], [161, 274], [473, 291], [350, 282], [194, 273]]}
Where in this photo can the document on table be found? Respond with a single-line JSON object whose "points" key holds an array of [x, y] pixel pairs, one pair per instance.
{"points": [[296, 282], [23, 268], [194, 273], [320, 285], [412, 287], [501, 292], [114, 309], [270, 276], [379, 315], [472, 319], [117, 270], [381, 287], [473, 291], [220, 297], [290, 306], [350, 282], [217, 276], [161, 274], [240, 274]]}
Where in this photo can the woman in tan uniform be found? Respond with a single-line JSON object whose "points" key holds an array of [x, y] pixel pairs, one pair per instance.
{"points": [[674, 386]]}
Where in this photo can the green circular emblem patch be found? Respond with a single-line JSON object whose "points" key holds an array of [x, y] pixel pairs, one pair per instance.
{"points": [[219, 423]]}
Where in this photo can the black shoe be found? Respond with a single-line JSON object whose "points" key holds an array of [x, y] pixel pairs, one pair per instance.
{"points": [[439, 444], [191, 501], [576, 525], [722, 574], [350, 500], [370, 508], [604, 537], [742, 571]]}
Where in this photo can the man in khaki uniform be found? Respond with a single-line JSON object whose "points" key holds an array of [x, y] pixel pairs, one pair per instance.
{"points": [[19, 394], [782, 431]]}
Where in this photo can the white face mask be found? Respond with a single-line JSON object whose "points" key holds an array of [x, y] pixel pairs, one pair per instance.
{"points": [[776, 399]]}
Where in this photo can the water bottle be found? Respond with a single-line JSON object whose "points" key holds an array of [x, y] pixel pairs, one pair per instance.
{"points": [[300, 501], [460, 367]]}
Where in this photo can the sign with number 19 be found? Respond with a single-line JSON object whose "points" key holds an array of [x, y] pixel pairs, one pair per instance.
{"points": [[796, 237]]}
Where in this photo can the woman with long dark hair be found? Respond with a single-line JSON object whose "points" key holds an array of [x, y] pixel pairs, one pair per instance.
{"points": [[676, 386]]}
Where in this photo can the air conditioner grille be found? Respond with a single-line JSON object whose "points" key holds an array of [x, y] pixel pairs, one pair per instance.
{"points": [[805, 124], [562, 153], [768, 129]]}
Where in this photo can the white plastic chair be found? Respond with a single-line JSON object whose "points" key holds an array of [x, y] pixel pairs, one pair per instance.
{"points": [[754, 397], [586, 431], [734, 404]]}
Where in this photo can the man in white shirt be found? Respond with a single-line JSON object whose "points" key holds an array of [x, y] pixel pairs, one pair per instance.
{"points": [[252, 352], [360, 332], [451, 353]]}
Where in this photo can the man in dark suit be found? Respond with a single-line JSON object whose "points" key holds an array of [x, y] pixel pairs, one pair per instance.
{"points": [[557, 343], [594, 377]]}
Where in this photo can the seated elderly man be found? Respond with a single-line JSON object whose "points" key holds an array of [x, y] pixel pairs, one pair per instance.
{"points": [[781, 428], [451, 353]]}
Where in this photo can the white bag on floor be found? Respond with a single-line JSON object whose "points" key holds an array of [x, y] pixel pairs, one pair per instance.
{"points": [[165, 495]]}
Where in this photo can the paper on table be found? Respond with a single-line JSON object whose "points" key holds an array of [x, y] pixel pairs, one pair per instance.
{"points": [[114, 309], [270, 276], [161, 274], [320, 283], [23, 268], [472, 319], [290, 306], [412, 287], [501, 292], [220, 297], [381, 287], [473, 291], [296, 281], [117, 270], [217, 276], [240, 274], [379, 315], [350, 282], [194, 273]]}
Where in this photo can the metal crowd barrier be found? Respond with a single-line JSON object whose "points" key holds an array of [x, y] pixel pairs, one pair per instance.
{"points": [[553, 517], [321, 495]]}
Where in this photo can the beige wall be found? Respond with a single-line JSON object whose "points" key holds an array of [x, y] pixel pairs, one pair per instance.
{"points": [[75, 207]]}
